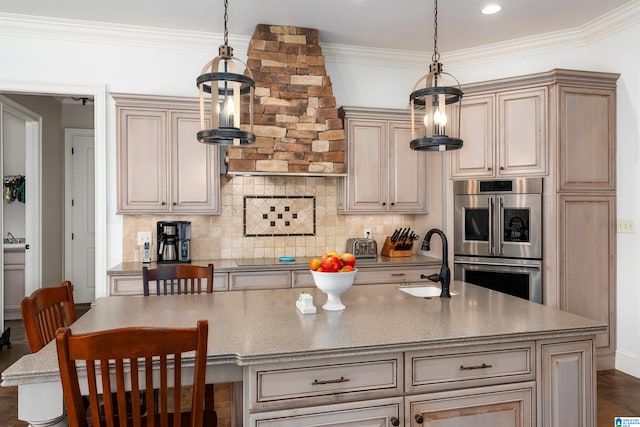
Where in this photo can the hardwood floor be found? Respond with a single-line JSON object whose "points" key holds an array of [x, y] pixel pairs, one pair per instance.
{"points": [[618, 393]]}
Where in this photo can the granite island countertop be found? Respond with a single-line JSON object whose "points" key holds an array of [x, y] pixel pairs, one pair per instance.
{"points": [[258, 264], [264, 326]]}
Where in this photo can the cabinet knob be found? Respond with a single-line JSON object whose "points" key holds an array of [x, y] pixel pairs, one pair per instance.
{"points": [[384, 203], [174, 203], [501, 168], [489, 168], [163, 203], [394, 421], [392, 204], [419, 419]]}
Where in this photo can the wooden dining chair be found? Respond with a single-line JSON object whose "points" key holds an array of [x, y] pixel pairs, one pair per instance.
{"points": [[46, 310], [141, 358], [177, 279]]}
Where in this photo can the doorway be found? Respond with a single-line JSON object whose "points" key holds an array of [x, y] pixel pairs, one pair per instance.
{"points": [[98, 94]]}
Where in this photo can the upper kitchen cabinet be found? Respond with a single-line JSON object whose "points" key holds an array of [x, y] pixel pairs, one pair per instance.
{"points": [[162, 168], [384, 174], [504, 133], [586, 155]]}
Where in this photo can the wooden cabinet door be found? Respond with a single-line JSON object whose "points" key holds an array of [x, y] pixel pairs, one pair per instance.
{"points": [[407, 172], [587, 139], [143, 169], [522, 132], [567, 384], [510, 405], [586, 262], [194, 172], [374, 413], [477, 131], [367, 156]]}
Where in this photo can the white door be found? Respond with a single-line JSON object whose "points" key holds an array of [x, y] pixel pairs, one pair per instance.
{"points": [[79, 213]]}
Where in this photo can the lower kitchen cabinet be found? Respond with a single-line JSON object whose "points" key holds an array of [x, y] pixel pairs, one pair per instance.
{"points": [[13, 283], [374, 275], [372, 413], [510, 405], [131, 284], [566, 380]]}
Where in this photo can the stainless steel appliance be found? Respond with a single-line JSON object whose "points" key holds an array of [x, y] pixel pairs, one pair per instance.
{"points": [[498, 235], [362, 248], [174, 239]]}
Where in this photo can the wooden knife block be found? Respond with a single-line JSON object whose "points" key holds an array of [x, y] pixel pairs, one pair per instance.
{"points": [[389, 249]]}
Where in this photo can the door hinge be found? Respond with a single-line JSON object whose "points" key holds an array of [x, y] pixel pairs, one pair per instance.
{"points": [[73, 202], [73, 151], [72, 236]]}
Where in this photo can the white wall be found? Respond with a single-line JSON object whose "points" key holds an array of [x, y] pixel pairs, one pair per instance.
{"points": [[127, 64]]}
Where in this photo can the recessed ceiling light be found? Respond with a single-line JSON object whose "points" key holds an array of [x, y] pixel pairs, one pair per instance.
{"points": [[490, 9]]}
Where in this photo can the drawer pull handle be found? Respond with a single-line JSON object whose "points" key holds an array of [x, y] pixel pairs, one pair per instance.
{"points": [[395, 422], [468, 368], [339, 380], [398, 274]]}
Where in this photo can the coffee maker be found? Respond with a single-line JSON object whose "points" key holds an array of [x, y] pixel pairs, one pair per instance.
{"points": [[174, 238]]}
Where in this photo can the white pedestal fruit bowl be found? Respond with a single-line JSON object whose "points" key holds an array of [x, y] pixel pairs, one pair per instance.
{"points": [[334, 285]]}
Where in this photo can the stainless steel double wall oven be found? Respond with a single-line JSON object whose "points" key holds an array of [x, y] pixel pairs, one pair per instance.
{"points": [[498, 235]]}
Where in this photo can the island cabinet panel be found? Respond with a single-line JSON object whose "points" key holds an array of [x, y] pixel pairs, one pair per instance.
{"points": [[161, 166], [299, 384], [371, 413], [567, 390], [375, 275], [384, 174], [127, 285], [509, 405], [469, 367]]}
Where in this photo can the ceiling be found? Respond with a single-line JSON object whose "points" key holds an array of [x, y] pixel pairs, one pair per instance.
{"points": [[392, 24]]}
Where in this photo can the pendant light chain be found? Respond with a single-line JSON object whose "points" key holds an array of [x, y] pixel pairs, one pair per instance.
{"points": [[436, 54], [226, 18]]}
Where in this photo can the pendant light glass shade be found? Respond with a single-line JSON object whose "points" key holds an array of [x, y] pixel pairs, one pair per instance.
{"points": [[226, 98], [435, 98]]}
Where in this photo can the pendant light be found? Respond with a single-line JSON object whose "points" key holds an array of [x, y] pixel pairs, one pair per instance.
{"points": [[229, 98], [437, 100]]}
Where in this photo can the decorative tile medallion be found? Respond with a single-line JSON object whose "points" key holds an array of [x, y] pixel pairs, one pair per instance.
{"points": [[279, 216]]}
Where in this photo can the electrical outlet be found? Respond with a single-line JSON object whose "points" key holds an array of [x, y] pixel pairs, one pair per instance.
{"points": [[367, 233], [143, 237], [626, 225]]}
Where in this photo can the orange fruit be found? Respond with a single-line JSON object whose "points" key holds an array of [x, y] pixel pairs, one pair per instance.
{"points": [[314, 264]]}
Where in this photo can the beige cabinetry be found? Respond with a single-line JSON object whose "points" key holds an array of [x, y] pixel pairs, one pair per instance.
{"points": [[13, 282], [511, 405], [161, 166], [567, 381], [384, 174], [516, 384], [579, 203], [504, 134], [131, 284]]}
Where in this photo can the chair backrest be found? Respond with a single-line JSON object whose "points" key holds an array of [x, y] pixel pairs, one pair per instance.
{"points": [[46, 310], [139, 357], [178, 279]]}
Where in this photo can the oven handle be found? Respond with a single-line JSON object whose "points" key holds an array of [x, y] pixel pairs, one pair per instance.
{"points": [[492, 248], [535, 266], [500, 231]]}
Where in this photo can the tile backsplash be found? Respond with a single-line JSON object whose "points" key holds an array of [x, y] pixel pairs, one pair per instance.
{"points": [[242, 230]]}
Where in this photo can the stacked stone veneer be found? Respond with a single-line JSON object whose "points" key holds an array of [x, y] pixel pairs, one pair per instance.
{"points": [[295, 117]]}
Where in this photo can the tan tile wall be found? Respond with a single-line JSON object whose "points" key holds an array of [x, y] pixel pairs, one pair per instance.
{"points": [[221, 236]]}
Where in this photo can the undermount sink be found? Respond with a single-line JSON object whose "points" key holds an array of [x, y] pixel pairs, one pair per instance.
{"points": [[423, 291]]}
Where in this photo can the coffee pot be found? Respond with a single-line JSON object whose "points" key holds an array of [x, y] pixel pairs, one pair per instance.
{"points": [[173, 241]]}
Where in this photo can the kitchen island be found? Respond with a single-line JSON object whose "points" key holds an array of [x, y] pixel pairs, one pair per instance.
{"points": [[390, 358]]}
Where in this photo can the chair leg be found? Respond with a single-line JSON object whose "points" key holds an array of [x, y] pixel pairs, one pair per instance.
{"points": [[209, 399]]}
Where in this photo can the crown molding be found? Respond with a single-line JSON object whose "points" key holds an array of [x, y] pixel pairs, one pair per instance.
{"points": [[14, 25]]}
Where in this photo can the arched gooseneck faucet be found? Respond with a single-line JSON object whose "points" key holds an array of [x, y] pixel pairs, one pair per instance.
{"points": [[445, 274]]}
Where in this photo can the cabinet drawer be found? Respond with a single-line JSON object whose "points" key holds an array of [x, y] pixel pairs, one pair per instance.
{"points": [[259, 280], [302, 384], [467, 367], [132, 284], [369, 276]]}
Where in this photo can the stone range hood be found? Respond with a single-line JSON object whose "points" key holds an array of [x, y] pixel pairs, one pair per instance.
{"points": [[298, 131]]}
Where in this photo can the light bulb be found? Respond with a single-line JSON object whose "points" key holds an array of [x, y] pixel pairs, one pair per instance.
{"points": [[440, 118]]}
